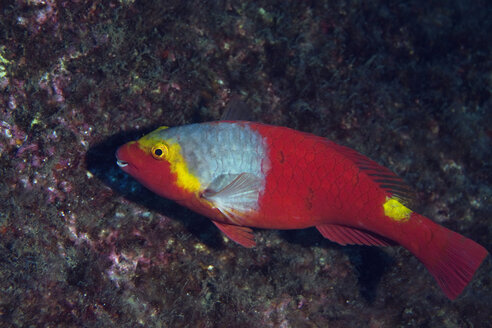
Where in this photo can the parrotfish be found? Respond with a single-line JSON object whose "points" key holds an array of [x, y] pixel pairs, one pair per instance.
{"points": [[242, 174]]}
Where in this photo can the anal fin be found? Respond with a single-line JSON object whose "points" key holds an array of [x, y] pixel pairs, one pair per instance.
{"points": [[344, 235], [241, 235]]}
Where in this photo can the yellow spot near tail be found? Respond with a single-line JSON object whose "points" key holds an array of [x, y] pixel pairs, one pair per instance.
{"points": [[184, 178], [396, 210]]}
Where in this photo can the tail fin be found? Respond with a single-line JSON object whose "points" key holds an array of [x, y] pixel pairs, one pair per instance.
{"points": [[450, 257]]}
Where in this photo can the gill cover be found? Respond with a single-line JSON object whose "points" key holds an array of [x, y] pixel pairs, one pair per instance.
{"points": [[169, 150]]}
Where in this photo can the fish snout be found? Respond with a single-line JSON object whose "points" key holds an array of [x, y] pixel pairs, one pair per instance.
{"points": [[119, 158], [124, 156]]}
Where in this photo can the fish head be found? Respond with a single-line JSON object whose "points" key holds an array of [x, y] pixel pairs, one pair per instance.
{"points": [[156, 162]]}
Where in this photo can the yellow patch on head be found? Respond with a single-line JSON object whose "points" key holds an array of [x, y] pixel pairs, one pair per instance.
{"points": [[396, 210], [170, 151], [185, 179]]}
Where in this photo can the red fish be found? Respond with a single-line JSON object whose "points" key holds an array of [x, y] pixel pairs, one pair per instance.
{"points": [[242, 174]]}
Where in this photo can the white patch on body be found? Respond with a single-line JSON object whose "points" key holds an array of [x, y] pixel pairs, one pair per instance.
{"points": [[229, 159]]}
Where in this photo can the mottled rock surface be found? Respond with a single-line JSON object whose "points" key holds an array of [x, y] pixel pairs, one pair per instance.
{"points": [[81, 244]]}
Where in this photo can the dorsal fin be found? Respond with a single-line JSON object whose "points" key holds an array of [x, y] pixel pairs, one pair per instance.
{"points": [[383, 176], [237, 110]]}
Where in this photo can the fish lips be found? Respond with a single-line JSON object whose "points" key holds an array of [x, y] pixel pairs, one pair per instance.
{"points": [[121, 163]]}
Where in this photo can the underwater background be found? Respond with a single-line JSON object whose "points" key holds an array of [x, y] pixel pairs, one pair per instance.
{"points": [[83, 245]]}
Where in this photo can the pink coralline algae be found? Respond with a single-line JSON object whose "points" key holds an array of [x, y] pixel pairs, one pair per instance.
{"points": [[43, 12]]}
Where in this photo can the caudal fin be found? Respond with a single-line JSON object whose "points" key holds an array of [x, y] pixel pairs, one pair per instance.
{"points": [[450, 257]]}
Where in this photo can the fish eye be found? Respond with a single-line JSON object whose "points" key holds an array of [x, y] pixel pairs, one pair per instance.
{"points": [[159, 151]]}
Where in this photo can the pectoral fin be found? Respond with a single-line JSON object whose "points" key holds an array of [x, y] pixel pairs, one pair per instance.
{"points": [[234, 195]]}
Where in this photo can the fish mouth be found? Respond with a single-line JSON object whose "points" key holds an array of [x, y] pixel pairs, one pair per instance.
{"points": [[127, 157], [123, 157], [121, 163]]}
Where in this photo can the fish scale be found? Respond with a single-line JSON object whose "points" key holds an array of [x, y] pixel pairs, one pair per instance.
{"points": [[244, 174]]}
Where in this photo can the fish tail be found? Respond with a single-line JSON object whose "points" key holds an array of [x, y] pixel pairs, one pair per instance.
{"points": [[451, 258]]}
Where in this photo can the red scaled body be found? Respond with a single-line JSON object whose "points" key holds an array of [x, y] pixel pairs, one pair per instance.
{"points": [[243, 174], [313, 181]]}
